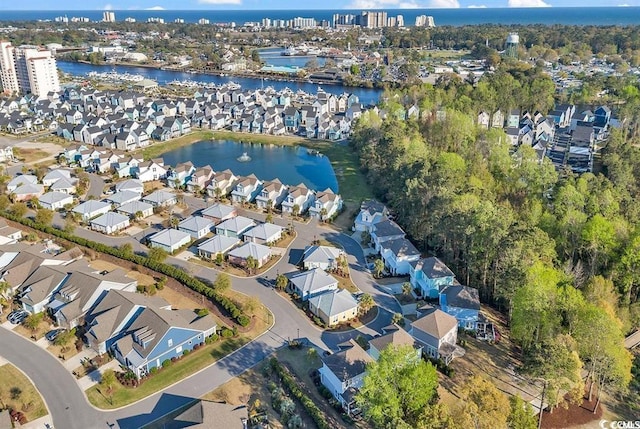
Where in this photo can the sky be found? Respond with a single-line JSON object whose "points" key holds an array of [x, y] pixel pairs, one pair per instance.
{"points": [[290, 4]]}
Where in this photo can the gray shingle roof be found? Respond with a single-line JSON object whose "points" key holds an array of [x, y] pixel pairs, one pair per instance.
{"points": [[462, 297], [348, 363], [334, 302]]}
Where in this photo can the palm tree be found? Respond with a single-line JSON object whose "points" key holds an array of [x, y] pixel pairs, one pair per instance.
{"points": [[252, 264], [406, 288], [378, 266], [269, 218], [281, 281], [295, 210], [174, 221], [269, 205], [218, 193], [366, 303], [196, 190], [323, 214]]}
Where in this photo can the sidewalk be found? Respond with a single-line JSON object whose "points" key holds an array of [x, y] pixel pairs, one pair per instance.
{"points": [[37, 423], [8, 325], [76, 360], [94, 377]]}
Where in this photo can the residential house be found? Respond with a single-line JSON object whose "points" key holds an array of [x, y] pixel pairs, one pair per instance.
{"points": [[461, 302], [200, 179], [323, 257], [91, 209], [371, 212], [326, 205], [110, 223], [124, 197], [81, 291], [259, 252], [429, 276], [218, 244], [204, 414], [272, 194], [21, 180], [298, 196], [398, 254], [342, 373], [483, 120], [37, 289], [158, 335], [196, 226], [235, 227], [136, 209], [307, 284], [180, 175], [150, 171], [264, 233], [247, 188], [221, 184], [334, 307], [67, 186], [55, 200], [497, 119], [438, 332], [219, 212], [161, 198], [385, 230], [131, 185], [54, 175], [393, 336], [170, 240]]}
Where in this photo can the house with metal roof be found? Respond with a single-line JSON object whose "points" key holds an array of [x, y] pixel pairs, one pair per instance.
{"points": [[264, 233], [54, 175], [170, 240], [133, 185], [219, 212], [21, 180], [91, 209], [123, 197], [218, 244], [136, 207], [55, 200], [334, 307], [307, 284], [68, 186], [196, 226], [259, 252], [235, 226], [110, 223], [161, 198], [323, 257]]}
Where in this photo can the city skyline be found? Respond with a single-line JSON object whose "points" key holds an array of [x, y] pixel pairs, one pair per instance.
{"points": [[287, 4]]}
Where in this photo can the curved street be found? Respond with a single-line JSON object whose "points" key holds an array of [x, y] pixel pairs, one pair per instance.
{"points": [[68, 404]]}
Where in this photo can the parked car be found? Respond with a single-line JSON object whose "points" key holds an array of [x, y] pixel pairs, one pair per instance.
{"points": [[53, 334], [16, 317]]}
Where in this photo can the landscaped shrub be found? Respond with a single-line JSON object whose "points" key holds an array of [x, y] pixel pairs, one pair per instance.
{"points": [[160, 267], [166, 363], [185, 352], [153, 370], [211, 339], [227, 333]]}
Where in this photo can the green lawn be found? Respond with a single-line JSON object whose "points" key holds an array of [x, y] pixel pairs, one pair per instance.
{"points": [[25, 397], [157, 149], [195, 361]]}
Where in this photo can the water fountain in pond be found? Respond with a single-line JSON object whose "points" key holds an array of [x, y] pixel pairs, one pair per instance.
{"points": [[244, 157]]}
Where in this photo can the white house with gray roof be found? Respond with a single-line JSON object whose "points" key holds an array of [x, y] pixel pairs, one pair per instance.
{"points": [[68, 186], [92, 208], [55, 200], [260, 253], [371, 212], [21, 180], [326, 205], [170, 240], [161, 199], [110, 223], [264, 233], [219, 212], [398, 254], [132, 185], [218, 244], [123, 197], [334, 306], [235, 227], [384, 231], [27, 192], [324, 257], [130, 209], [307, 284], [196, 226], [54, 175]]}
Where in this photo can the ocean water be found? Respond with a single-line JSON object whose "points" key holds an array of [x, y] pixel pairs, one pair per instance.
{"points": [[462, 16]]}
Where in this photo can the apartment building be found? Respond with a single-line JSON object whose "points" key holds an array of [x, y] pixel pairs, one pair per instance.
{"points": [[27, 69]]}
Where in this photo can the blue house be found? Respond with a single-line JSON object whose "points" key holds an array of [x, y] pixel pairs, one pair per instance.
{"points": [[429, 276], [602, 116], [157, 335], [461, 302]]}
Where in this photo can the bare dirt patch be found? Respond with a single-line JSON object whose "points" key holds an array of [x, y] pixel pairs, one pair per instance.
{"points": [[574, 415]]}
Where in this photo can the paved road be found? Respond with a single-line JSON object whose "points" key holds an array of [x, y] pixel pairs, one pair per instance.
{"points": [[53, 379]]}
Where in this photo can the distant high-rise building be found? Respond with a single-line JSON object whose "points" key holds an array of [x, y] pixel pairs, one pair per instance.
{"points": [[400, 21], [511, 45], [203, 21], [27, 70], [179, 20], [425, 21], [370, 19], [266, 23], [108, 16], [299, 22], [391, 21], [129, 19]]}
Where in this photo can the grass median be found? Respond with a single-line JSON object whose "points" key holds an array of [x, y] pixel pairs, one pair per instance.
{"points": [[19, 394]]}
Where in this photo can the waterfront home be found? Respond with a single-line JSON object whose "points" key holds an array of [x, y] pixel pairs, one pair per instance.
{"points": [[461, 302], [326, 205], [272, 194], [221, 184], [136, 209], [21, 180], [246, 189], [235, 226], [307, 284], [110, 223], [298, 196], [131, 185], [200, 179], [161, 198], [55, 200], [81, 291], [393, 336], [371, 212], [323, 257], [150, 171], [259, 252], [342, 373], [218, 244], [334, 307], [124, 197], [108, 320], [170, 240], [398, 254], [264, 233], [429, 276], [196, 226], [67, 186], [91, 209], [219, 212], [384, 231], [157, 335], [438, 332], [180, 175], [54, 175]]}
